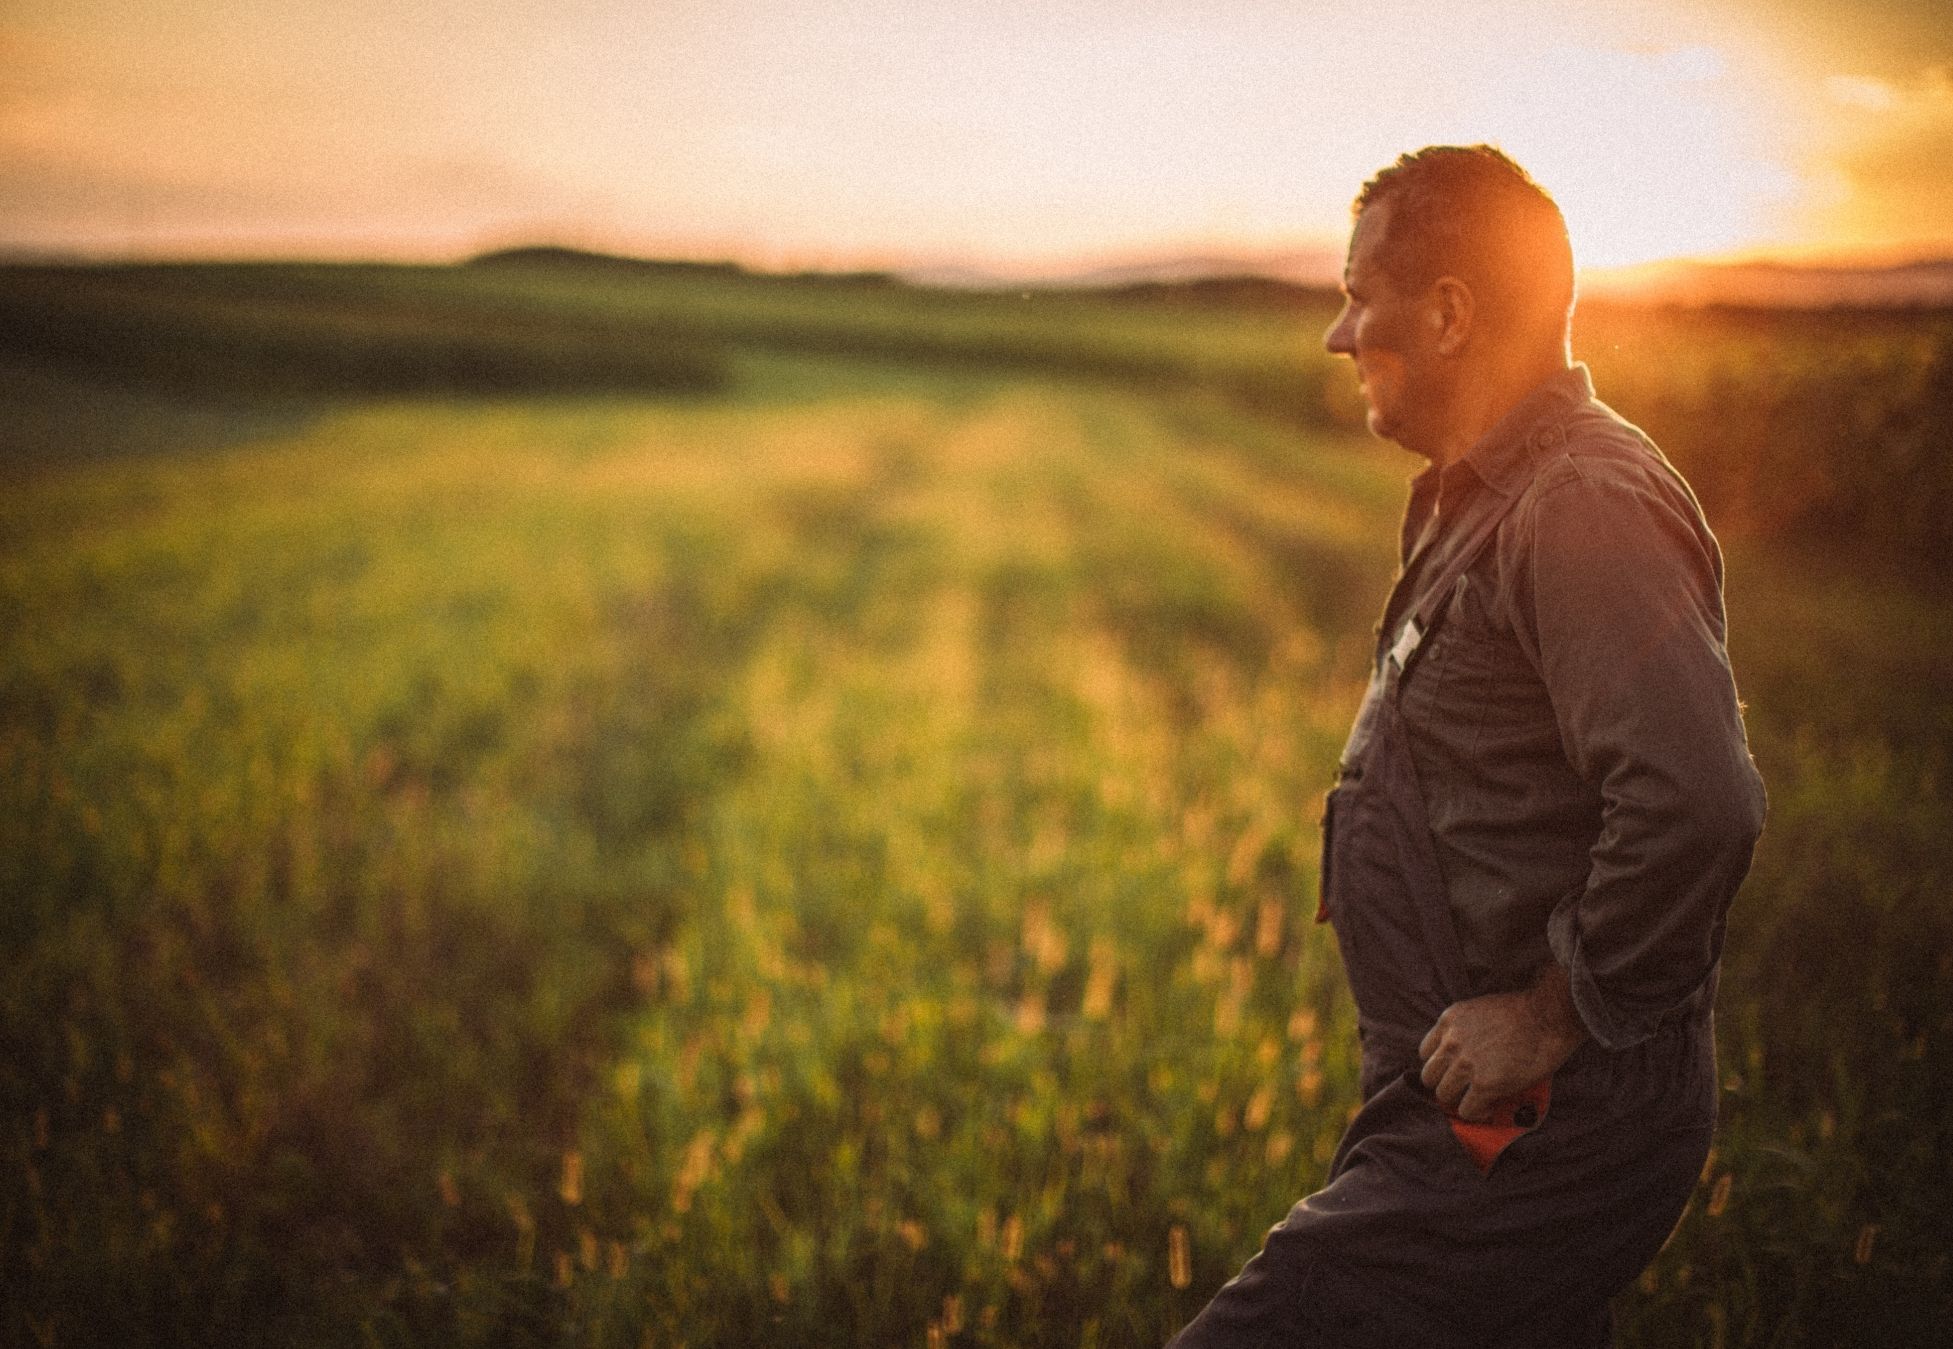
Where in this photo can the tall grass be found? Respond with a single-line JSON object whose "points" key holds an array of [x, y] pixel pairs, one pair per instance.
{"points": [[829, 862]]}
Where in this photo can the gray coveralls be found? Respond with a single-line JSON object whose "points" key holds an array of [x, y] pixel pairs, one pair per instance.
{"points": [[1412, 1242]]}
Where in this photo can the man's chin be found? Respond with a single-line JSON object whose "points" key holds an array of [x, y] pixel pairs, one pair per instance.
{"points": [[1387, 429]]}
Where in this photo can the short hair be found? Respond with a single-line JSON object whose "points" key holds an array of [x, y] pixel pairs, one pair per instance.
{"points": [[1469, 211]]}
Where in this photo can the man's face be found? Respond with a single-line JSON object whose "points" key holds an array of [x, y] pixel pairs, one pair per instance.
{"points": [[1385, 331]]}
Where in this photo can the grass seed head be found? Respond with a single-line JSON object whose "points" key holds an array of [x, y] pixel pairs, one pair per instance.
{"points": [[1179, 1256]]}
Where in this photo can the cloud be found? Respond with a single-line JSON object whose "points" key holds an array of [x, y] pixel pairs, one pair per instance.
{"points": [[1890, 158], [1927, 93], [1863, 93]]}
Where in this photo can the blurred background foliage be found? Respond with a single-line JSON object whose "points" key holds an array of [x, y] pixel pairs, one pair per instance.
{"points": [[561, 801]]}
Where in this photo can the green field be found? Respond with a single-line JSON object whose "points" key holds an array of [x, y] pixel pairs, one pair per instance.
{"points": [[557, 806]]}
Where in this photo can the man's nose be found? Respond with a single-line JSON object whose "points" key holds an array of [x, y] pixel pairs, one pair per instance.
{"points": [[1336, 340]]}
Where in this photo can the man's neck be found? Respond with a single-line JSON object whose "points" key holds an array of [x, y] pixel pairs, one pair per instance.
{"points": [[1483, 399]]}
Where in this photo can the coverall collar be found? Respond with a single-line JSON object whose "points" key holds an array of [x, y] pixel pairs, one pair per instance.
{"points": [[1502, 457]]}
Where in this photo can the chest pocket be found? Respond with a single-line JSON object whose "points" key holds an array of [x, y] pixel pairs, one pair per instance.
{"points": [[1471, 677]]}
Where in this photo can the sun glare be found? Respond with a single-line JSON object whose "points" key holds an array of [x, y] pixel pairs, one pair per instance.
{"points": [[1651, 155]]}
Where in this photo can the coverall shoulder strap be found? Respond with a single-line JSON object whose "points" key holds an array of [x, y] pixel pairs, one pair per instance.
{"points": [[1436, 591]]}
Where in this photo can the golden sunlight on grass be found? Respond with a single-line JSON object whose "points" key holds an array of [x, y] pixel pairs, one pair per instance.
{"points": [[831, 861]]}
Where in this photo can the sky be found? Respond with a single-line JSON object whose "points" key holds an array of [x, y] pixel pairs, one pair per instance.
{"points": [[1005, 134]]}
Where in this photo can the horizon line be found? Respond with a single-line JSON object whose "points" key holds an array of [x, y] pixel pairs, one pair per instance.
{"points": [[1304, 263]]}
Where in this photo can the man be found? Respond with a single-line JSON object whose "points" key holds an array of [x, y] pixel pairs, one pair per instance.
{"points": [[1543, 811]]}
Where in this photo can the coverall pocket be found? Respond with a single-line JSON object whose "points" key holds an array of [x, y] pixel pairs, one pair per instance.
{"points": [[1326, 865], [1512, 1119]]}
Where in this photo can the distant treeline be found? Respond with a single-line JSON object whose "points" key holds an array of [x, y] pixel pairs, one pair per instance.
{"points": [[1830, 426], [160, 326]]}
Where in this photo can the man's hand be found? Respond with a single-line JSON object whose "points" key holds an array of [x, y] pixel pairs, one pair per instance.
{"points": [[1483, 1050]]}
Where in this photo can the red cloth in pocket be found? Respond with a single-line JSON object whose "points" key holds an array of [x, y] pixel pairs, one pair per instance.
{"points": [[1513, 1116]]}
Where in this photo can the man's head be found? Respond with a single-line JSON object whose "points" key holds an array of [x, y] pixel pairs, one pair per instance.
{"points": [[1460, 277], [1470, 212]]}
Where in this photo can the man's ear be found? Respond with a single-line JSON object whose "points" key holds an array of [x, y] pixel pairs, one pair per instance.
{"points": [[1450, 314]]}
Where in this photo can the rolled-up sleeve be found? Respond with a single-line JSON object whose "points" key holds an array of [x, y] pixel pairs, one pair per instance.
{"points": [[1620, 598]]}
